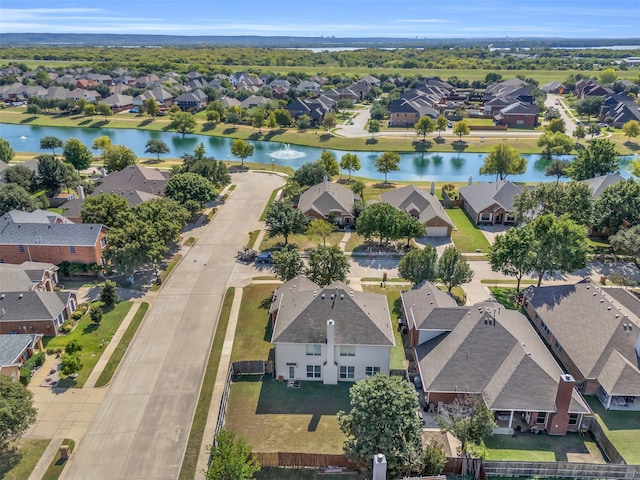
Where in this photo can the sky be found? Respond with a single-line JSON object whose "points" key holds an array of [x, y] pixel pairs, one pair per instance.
{"points": [[340, 18]]}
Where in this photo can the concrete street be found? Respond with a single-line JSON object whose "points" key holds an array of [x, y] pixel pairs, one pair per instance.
{"points": [[142, 426]]}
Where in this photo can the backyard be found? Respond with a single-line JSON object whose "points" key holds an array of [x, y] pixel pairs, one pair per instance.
{"points": [[275, 473], [622, 428], [467, 237], [572, 447]]}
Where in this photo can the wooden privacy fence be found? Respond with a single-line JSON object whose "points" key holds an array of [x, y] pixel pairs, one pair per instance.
{"points": [[562, 469], [603, 441], [252, 367], [314, 460]]}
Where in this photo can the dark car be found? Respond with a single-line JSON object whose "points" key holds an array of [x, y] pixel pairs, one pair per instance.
{"points": [[264, 257]]}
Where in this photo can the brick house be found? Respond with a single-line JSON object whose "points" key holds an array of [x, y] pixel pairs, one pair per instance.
{"points": [[328, 201], [15, 350], [35, 312], [518, 115], [490, 202]]}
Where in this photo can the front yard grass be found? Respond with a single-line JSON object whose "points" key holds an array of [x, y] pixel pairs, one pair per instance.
{"points": [[58, 463], [622, 428], [93, 339], [301, 241], [543, 448], [467, 237], [19, 458], [505, 296]]}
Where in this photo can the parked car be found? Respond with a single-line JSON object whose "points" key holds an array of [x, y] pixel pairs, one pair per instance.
{"points": [[603, 125], [264, 257], [449, 124], [134, 110]]}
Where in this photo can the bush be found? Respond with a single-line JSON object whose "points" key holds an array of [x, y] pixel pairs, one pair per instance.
{"points": [[50, 351], [68, 325], [109, 294], [31, 365], [58, 350], [96, 315]]}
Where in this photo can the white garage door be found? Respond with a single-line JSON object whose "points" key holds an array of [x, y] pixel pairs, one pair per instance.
{"points": [[437, 231]]}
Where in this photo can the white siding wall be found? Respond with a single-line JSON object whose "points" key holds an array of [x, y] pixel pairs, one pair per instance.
{"points": [[426, 335]]}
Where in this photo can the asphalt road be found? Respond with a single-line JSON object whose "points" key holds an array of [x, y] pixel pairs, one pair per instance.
{"points": [[142, 426]]}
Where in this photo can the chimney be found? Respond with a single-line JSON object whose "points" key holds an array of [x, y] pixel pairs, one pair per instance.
{"points": [[379, 467], [103, 172], [433, 188], [80, 192], [331, 368], [559, 421], [470, 179], [326, 183]]}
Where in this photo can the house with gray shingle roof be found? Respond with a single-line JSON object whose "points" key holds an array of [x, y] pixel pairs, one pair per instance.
{"points": [[423, 206], [594, 334], [329, 334], [328, 201], [493, 352], [35, 312], [15, 350], [34, 276], [598, 184], [490, 202]]}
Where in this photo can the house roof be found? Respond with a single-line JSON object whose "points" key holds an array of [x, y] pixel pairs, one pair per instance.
{"points": [[598, 184], [12, 346], [482, 195], [591, 325], [416, 201], [119, 100], [37, 216], [519, 108], [626, 299], [57, 234], [134, 177], [16, 278], [325, 198], [420, 302], [303, 309], [27, 305]]}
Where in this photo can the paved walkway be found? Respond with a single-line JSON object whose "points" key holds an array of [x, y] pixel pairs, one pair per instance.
{"points": [[345, 239]]}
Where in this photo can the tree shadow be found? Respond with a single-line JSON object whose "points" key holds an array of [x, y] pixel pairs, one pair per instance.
{"points": [[99, 124], [325, 137], [255, 136], [384, 185], [397, 307], [90, 328], [439, 140], [85, 122], [151, 161], [273, 133], [265, 303], [459, 145], [29, 119], [230, 130], [633, 146], [422, 145], [371, 141], [207, 127], [10, 456], [146, 122]]}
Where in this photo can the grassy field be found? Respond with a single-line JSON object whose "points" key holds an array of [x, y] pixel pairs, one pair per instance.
{"points": [[19, 458], [116, 356], [622, 428], [253, 332], [58, 463], [301, 242], [92, 337], [468, 238], [190, 461], [543, 448]]}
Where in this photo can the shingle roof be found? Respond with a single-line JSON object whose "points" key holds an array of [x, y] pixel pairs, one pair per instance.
{"points": [[22, 306], [304, 308], [37, 216], [598, 184], [16, 278], [134, 177], [409, 197], [326, 197], [81, 234], [12, 346], [484, 194]]}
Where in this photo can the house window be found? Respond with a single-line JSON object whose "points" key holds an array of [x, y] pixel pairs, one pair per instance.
{"points": [[509, 217], [72, 249], [485, 217], [103, 242], [558, 346], [347, 372], [21, 248], [371, 371], [314, 371], [541, 418], [519, 122], [314, 349], [60, 319], [544, 327], [573, 418], [347, 350]]}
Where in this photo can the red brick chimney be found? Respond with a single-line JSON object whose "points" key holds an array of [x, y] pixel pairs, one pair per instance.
{"points": [[559, 421]]}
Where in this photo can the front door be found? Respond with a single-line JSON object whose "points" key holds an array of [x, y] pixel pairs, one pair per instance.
{"points": [[292, 372]]}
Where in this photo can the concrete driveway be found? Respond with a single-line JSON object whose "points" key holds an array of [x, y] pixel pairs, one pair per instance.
{"points": [[555, 101], [142, 426], [358, 125]]}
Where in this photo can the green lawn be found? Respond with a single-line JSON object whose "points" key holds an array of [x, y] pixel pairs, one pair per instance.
{"points": [[58, 463], [253, 236], [622, 428], [272, 199], [468, 238], [275, 473], [505, 296], [93, 338], [543, 448], [190, 460], [19, 458], [116, 356], [253, 332], [301, 241]]}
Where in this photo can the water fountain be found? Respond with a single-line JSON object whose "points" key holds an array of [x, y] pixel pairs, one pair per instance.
{"points": [[286, 153]]}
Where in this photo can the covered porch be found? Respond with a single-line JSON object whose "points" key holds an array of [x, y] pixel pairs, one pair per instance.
{"points": [[509, 422], [630, 403]]}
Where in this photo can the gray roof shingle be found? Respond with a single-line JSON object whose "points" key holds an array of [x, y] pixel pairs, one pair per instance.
{"points": [[484, 194], [407, 198], [326, 197], [12, 346]]}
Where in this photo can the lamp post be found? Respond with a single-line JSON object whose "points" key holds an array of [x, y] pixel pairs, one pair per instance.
{"points": [[273, 164]]}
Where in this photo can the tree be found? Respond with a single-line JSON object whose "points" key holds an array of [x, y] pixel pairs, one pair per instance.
{"points": [[53, 174], [101, 143], [190, 190], [234, 116], [441, 124], [321, 229], [109, 293], [572, 198], [382, 419], [358, 187], [89, 110], [374, 127], [241, 149], [72, 347], [166, 216], [631, 129], [579, 133], [309, 174], [461, 128], [593, 129], [77, 154], [558, 169], [96, 314], [106, 208], [20, 175], [387, 162], [213, 116], [511, 253], [6, 152], [151, 107], [608, 76], [51, 143], [599, 158], [283, 219], [556, 125], [118, 157], [104, 110], [182, 122], [329, 162], [419, 265], [215, 171], [329, 121], [272, 123], [424, 126], [378, 220], [589, 106], [503, 160], [70, 364], [327, 264], [468, 419], [157, 147], [627, 242], [18, 412], [618, 205], [257, 119], [409, 227], [134, 244], [453, 269], [287, 264], [303, 122], [350, 162], [231, 458], [555, 143], [14, 197], [634, 167], [283, 117], [559, 244], [33, 109]]}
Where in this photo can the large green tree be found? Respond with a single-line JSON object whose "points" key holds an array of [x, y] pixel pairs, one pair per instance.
{"points": [[419, 265], [409, 227], [53, 174], [107, 208], [104, 110], [627, 242], [17, 412], [134, 245], [6, 152], [503, 160], [599, 158], [557, 168], [373, 127], [327, 264], [309, 174], [350, 162], [14, 197], [461, 128], [424, 126], [589, 106], [151, 107], [387, 162], [51, 143], [512, 253], [20, 175], [382, 419], [631, 129], [320, 229], [167, 216], [241, 149], [378, 220], [190, 190], [555, 143], [287, 264], [156, 146], [468, 419], [329, 162], [77, 154], [571, 198], [182, 122], [231, 458], [618, 205], [441, 124], [118, 157], [282, 219], [453, 269]]}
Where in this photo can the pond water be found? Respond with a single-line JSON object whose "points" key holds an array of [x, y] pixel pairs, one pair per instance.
{"points": [[455, 167]]}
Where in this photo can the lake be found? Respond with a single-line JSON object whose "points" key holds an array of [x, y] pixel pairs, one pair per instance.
{"points": [[454, 167]]}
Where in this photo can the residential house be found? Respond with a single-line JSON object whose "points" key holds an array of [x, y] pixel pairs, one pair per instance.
{"points": [[328, 201], [518, 115], [329, 334], [598, 184], [490, 202], [621, 108], [28, 276], [253, 101], [553, 87], [594, 333], [15, 350], [119, 102], [159, 94], [371, 80], [229, 102], [147, 81], [307, 86], [423, 206], [314, 108], [406, 113], [489, 351], [590, 88], [196, 100], [31, 312]]}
